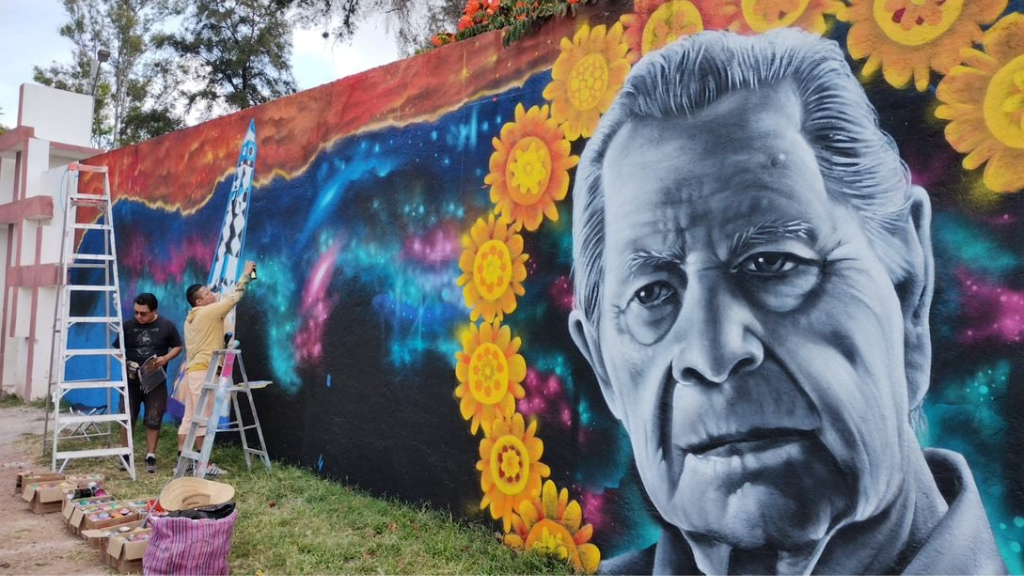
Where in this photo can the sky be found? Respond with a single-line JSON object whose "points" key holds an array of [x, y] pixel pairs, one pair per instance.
{"points": [[29, 37]]}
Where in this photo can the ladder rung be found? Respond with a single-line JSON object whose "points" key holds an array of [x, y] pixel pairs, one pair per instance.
{"points": [[190, 454], [84, 384], [93, 319], [93, 352], [81, 265], [81, 256], [118, 451], [79, 226], [88, 288], [90, 197], [63, 420]]}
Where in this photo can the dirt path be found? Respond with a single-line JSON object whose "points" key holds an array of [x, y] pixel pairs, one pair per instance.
{"points": [[33, 543]]}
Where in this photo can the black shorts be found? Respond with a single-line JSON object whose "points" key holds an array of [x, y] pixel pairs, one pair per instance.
{"points": [[156, 403]]}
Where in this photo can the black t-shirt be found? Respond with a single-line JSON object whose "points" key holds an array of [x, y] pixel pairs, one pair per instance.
{"points": [[144, 340]]}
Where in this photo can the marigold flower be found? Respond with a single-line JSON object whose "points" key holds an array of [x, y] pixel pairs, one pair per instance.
{"points": [[493, 269], [758, 16], [587, 76], [550, 523], [907, 39], [984, 101], [529, 169], [510, 467], [657, 23], [490, 373]]}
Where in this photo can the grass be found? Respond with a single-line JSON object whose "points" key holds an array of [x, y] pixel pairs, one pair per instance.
{"points": [[14, 401], [292, 522]]}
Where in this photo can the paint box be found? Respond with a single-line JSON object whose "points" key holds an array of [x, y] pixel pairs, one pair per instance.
{"points": [[99, 538], [71, 505], [125, 551], [29, 477], [100, 516], [49, 496]]}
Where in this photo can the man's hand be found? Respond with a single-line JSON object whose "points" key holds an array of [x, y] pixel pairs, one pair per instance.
{"points": [[249, 267], [160, 361]]}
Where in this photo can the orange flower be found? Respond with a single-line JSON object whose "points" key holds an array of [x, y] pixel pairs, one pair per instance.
{"points": [[550, 523], [657, 23], [490, 374], [510, 467], [984, 102], [587, 76], [757, 16], [529, 168], [908, 38], [493, 269]]}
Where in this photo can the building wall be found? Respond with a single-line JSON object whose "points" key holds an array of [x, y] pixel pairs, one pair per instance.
{"points": [[417, 342]]}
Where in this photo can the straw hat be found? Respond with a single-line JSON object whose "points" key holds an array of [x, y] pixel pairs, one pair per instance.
{"points": [[188, 492]]}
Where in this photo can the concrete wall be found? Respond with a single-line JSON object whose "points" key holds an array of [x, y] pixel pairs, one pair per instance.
{"points": [[53, 130], [413, 229]]}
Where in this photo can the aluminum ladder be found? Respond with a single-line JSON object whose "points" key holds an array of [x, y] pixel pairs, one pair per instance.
{"points": [[82, 277], [220, 389]]}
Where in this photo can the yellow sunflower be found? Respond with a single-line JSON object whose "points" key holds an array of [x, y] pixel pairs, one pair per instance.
{"points": [[493, 269], [587, 75], [909, 38], [490, 374], [529, 168], [657, 23], [757, 16], [550, 523], [984, 101], [510, 467]]}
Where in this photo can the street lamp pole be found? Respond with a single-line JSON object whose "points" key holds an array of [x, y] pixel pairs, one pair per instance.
{"points": [[102, 55]]}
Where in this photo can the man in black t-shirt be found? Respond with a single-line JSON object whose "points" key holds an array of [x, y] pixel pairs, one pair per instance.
{"points": [[153, 338]]}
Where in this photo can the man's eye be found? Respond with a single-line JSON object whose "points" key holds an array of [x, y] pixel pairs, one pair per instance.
{"points": [[654, 293], [770, 263]]}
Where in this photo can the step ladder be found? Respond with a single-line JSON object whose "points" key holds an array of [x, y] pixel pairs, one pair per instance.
{"points": [[83, 276], [220, 389]]}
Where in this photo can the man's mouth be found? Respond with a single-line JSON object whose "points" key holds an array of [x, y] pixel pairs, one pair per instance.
{"points": [[748, 441]]}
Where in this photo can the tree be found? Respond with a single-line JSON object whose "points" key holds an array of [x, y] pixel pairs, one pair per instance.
{"points": [[236, 52], [411, 23], [136, 83]]}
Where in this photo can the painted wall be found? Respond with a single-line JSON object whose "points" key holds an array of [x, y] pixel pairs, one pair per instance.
{"points": [[412, 227]]}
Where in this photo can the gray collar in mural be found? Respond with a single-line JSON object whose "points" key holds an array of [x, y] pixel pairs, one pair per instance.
{"points": [[961, 543]]}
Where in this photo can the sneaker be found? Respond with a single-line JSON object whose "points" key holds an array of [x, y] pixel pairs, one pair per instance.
{"points": [[214, 471], [151, 464]]}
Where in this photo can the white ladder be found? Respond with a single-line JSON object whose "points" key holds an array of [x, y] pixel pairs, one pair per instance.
{"points": [[219, 387], [82, 276]]}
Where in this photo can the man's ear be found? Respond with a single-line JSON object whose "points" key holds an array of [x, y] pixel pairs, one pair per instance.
{"points": [[915, 292], [590, 346]]}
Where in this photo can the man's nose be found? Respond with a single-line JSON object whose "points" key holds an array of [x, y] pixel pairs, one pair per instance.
{"points": [[719, 333]]}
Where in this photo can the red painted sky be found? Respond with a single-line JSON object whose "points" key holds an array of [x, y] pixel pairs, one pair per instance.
{"points": [[180, 170]]}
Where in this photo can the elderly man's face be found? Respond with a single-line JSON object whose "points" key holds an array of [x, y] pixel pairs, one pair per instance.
{"points": [[749, 337]]}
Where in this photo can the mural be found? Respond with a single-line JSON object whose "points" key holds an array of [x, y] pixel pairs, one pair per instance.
{"points": [[439, 327]]}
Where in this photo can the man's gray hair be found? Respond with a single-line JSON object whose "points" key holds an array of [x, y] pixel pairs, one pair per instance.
{"points": [[858, 161]]}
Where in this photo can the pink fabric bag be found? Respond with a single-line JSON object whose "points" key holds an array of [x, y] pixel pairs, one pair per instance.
{"points": [[189, 547]]}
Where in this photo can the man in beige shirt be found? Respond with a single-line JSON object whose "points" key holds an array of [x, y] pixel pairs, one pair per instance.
{"points": [[204, 333]]}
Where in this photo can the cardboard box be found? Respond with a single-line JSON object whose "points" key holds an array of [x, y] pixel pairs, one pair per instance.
{"points": [[99, 516], [29, 477], [70, 505], [98, 539], [49, 496], [125, 551]]}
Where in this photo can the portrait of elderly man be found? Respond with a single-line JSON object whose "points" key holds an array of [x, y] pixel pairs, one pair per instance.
{"points": [[753, 275]]}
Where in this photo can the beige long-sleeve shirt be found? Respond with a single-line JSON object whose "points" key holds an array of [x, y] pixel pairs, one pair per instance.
{"points": [[204, 328]]}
